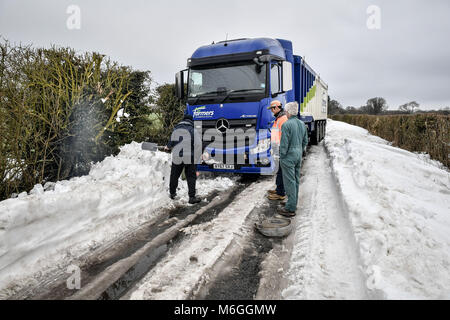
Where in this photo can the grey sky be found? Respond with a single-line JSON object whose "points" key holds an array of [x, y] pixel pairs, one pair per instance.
{"points": [[407, 59]]}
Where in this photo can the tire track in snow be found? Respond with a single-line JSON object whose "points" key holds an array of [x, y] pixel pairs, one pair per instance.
{"points": [[188, 266], [324, 263], [124, 245]]}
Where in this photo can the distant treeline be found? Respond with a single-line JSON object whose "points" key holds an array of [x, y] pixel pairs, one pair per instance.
{"points": [[61, 111], [428, 133], [379, 105]]}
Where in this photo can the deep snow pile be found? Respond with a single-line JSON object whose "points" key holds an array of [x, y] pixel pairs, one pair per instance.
{"points": [[399, 206], [48, 228]]}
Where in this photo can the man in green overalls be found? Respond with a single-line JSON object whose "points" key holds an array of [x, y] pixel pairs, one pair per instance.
{"points": [[293, 142]]}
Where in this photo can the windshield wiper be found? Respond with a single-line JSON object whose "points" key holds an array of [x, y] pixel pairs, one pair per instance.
{"points": [[202, 95], [234, 91]]}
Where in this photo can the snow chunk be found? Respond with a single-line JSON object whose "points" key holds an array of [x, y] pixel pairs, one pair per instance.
{"points": [[37, 189]]}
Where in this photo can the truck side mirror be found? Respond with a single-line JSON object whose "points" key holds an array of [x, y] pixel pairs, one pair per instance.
{"points": [[179, 85]]}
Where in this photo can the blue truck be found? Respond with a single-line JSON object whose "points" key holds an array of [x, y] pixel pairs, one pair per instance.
{"points": [[229, 86]]}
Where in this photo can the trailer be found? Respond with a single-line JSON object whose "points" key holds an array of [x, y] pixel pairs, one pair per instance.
{"points": [[312, 97], [229, 86]]}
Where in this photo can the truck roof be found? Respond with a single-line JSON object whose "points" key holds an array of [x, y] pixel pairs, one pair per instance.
{"points": [[273, 46]]}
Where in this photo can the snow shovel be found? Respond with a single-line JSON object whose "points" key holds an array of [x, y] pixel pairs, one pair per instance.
{"points": [[151, 146], [275, 227]]}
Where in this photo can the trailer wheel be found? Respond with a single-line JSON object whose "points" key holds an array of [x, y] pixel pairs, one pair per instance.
{"points": [[322, 130], [320, 127], [315, 134]]}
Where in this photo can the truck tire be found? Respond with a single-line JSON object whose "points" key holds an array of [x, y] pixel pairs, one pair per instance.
{"points": [[315, 134], [322, 130]]}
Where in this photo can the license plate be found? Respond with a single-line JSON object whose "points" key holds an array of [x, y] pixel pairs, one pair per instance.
{"points": [[223, 166]]}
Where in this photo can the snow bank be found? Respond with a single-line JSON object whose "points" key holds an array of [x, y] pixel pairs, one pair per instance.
{"points": [[47, 228], [399, 205]]}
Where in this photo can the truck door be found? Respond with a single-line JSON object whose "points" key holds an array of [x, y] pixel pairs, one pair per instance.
{"points": [[276, 84], [275, 77]]}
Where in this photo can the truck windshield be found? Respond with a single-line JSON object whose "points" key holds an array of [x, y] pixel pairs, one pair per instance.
{"points": [[226, 79]]}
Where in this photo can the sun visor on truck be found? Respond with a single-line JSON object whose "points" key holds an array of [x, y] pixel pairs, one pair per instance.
{"points": [[262, 55]]}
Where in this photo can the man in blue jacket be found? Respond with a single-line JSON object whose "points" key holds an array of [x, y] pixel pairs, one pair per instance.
{"points": [[293, 142], [185, 144]]}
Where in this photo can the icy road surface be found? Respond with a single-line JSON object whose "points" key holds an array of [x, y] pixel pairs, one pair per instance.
{"points": [[325, 261], [373, 222], [186, 267]]}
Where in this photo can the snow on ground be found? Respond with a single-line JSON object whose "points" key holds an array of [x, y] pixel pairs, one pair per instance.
{"points": [[49, 228], [325, 262], [399, 208], [187, 265], [373, 222]]}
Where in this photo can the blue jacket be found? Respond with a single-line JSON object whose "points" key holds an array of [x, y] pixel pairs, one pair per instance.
{"points": [[186, 141]]}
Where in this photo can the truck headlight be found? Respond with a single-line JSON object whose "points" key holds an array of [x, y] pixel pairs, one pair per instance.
{"points": [[262, 146]]}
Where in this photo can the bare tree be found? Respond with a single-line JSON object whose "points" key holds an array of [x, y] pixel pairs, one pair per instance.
{"points": [[376, 105], [409, 107], [334, 107]]}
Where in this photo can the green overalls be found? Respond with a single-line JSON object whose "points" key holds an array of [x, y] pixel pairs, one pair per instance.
{"points": [[294, 140]]}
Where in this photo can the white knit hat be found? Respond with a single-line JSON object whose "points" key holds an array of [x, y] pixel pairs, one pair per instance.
{"points": [[291, 108]]}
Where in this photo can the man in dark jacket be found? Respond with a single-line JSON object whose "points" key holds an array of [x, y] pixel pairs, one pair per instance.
{"points": [[185, 144], [280, 117]]}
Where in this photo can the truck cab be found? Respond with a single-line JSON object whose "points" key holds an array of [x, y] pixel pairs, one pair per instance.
{"points": [[230, 84]]}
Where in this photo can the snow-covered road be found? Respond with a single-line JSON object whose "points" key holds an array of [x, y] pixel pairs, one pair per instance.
{"points": [[325, 259], [188, 266], [373, 222]]}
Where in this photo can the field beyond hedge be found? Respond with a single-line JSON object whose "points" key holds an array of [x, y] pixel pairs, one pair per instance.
{"points": [[418, 133]]}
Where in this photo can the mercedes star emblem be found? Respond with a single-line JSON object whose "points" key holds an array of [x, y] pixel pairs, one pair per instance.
{"points": [[222, 125]]}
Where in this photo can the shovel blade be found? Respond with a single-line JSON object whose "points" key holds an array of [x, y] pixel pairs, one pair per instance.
{"points": [[150, 146]]}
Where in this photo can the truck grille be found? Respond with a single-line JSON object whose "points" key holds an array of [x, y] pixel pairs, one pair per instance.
{"points": [[239, 132]]}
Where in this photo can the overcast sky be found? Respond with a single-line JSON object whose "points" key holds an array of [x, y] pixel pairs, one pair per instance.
{"points": [[407, 59]]}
